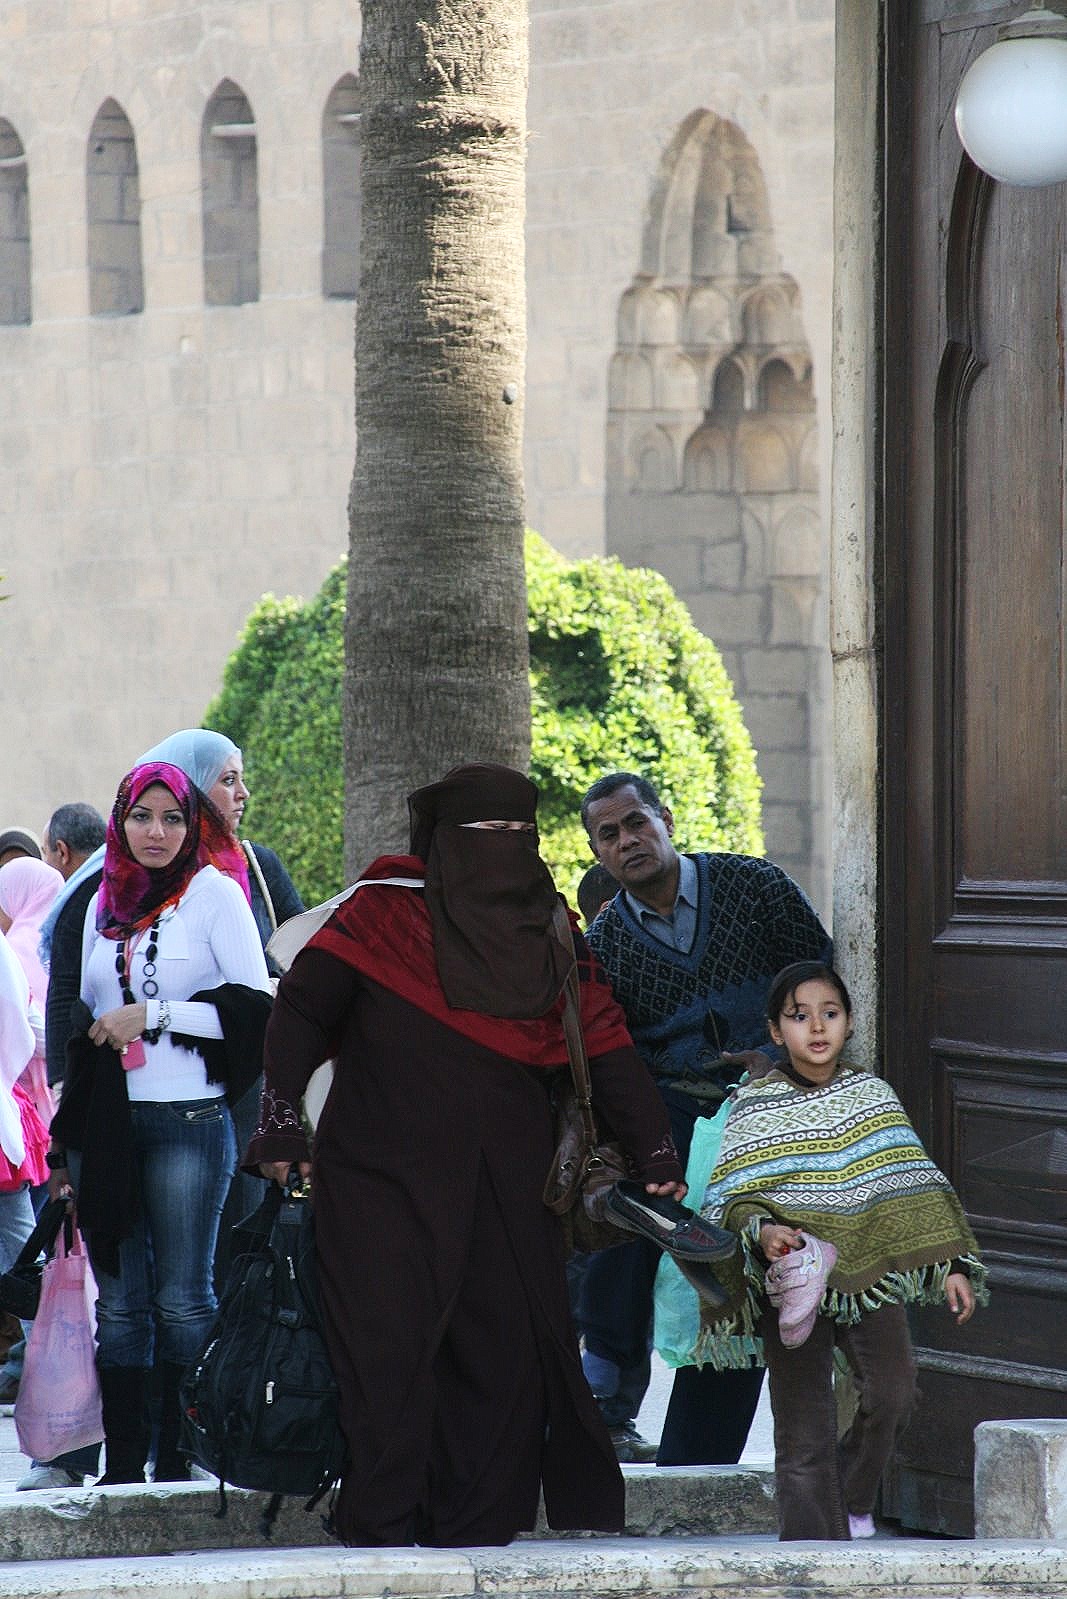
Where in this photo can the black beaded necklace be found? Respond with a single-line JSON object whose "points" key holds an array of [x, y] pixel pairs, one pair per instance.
{"points": [[149, 986]]}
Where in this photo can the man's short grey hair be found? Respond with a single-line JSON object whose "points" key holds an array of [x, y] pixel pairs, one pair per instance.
{"points": [[605, 786], [81, 828]]}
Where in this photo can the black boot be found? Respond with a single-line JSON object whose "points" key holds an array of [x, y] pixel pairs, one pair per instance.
{"points": [[124, 1396], [171, 1463]]}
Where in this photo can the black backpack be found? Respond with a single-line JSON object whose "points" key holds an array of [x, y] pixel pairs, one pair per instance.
{"points": [[259, 1402]]}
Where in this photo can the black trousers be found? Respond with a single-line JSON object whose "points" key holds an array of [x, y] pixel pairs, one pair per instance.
{"points": [[710, 1412]]}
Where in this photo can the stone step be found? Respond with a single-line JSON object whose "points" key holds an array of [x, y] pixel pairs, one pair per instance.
{"points": [[695, 1567], [148, 1519]]}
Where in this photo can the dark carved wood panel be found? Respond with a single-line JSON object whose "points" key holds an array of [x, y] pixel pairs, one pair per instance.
{"points": [[975, 795]]}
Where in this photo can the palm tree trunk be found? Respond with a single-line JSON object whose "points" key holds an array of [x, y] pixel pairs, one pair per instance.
{"points": [[436, 635]]}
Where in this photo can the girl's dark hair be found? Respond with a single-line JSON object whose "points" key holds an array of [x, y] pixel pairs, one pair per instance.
{"points": [[783, 988]]}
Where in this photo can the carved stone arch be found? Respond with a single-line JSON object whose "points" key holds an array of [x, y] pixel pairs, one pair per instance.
{"points": [[341, 189], [627, 322], [709, 196], [728, 389], [707, 466], [15, 288], [113, 208], [764, 459], [658, 317], [654, 467], [230, 182], [677, 382], [708, 318], [767, 316], [630, 382], [781, 390]]}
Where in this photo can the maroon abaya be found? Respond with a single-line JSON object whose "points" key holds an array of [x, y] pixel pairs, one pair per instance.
{"points": [[442, 1271]]}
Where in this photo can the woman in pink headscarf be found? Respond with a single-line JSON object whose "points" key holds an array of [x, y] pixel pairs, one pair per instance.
{"points": [[175, 998], [19, 1163], [28, 889]]}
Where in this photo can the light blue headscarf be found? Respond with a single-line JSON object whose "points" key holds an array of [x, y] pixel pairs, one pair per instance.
{"points": [[199, 753]]}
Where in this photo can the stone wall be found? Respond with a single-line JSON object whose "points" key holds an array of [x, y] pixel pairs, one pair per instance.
{"points": [[161, 469]]}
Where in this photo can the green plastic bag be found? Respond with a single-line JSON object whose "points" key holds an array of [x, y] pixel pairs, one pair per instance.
{"points": [[676, 1306]]}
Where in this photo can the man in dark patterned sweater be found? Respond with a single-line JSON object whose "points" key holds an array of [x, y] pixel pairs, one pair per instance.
{"points": [[690, 944]]}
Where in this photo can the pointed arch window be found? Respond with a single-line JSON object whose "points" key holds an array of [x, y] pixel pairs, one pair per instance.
{"points": [[230, 187], [341, 190], [113, 205], [15, 301]]}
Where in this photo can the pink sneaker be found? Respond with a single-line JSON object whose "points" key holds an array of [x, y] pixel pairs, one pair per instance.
{"points": [[796, 1284]]}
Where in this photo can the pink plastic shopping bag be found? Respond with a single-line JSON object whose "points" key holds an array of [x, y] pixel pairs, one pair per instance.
{"points": [[58, 1405]]}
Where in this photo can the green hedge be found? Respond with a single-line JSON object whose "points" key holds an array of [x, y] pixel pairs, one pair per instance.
{"points": [[620, 678]]}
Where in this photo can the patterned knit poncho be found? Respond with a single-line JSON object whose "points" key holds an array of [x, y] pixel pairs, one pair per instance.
{"points": [[844, 1163]]}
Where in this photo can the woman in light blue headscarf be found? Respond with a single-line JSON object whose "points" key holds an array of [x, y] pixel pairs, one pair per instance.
{"points": [[213, 762]]}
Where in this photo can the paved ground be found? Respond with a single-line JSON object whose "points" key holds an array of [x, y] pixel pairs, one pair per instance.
{"points": [[12, 1462]]}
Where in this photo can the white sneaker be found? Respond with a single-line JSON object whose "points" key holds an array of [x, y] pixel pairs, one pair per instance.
{"points": [[861, 1526], [42, 1476]]}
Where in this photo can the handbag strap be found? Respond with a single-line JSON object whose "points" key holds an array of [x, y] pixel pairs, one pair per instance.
{"points": [[572, 1027], [42, 1240], [257, 872]]}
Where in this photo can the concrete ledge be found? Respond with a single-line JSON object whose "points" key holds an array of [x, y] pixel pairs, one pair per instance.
{"points": [[1020, 1479], [718, 1569], [64, 1523]]}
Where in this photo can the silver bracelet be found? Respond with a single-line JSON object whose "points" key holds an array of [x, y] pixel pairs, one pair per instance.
{"points": [[164, 1015]]}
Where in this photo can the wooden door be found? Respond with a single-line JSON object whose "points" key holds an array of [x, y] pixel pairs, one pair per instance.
{"points": [[975, 741]]}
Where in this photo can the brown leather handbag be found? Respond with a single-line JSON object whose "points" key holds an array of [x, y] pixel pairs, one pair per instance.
{"points": [[584, 1166]]}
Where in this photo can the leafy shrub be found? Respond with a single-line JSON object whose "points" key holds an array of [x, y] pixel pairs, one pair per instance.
{"points": [[620, 679]]}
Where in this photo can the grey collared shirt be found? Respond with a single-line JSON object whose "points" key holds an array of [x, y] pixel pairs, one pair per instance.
{"points": [[680, 927]]}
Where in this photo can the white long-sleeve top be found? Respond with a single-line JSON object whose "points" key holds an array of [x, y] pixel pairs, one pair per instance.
{"points": [[209, 938]]}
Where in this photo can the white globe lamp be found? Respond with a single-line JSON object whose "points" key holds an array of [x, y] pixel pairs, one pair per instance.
{"points": [[1011, 108]]}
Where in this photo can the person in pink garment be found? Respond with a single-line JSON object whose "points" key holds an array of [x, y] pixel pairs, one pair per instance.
{"points": [[28, 890]]}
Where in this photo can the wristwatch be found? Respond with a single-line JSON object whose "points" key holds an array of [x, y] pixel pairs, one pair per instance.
{"points": [[56, 1160]]}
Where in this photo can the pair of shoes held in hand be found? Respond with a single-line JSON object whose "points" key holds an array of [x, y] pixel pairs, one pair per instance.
{"points": [[795, 1284], [671, 1225]]}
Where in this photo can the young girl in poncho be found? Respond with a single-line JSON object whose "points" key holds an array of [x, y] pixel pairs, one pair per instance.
{"points": [[843, 1222]]}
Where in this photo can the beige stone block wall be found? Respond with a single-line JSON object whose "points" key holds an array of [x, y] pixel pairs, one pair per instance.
{"points": [[160, 471]]}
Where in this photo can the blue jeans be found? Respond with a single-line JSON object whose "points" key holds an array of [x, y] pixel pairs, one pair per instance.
{"points": [[162, 1303], [16, 1225]]}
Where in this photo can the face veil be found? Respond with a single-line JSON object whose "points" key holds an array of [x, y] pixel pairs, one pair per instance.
{"points": [[490, 897]]}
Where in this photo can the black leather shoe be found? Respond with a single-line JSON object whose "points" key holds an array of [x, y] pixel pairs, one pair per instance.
{"points": [[673, 1226]]}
